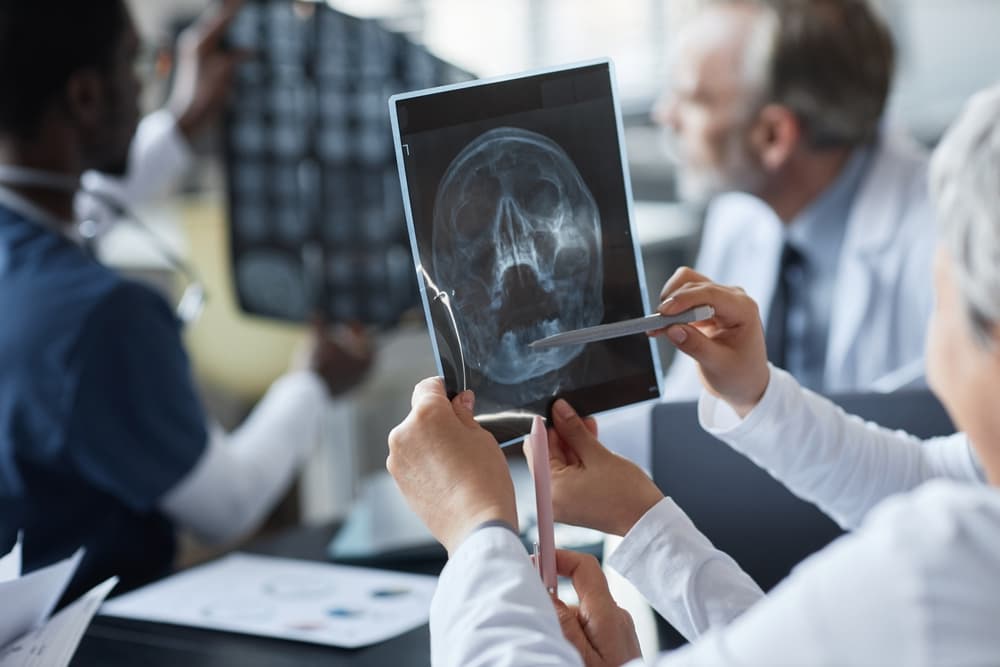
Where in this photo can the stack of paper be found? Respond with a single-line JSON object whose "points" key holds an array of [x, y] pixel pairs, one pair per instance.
{"points": [[28, 637]]}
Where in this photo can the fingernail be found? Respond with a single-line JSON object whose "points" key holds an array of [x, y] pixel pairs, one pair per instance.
{"points": [[667, 306], [564, 409], [677, 335], [468, 400]]}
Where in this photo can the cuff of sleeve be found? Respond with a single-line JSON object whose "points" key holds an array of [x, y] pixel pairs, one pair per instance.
{"points": [[484, 542], [653, 525], [719, 420]]}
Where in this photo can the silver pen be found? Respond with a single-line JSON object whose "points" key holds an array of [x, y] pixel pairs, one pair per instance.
{"points": [[623, 328]]}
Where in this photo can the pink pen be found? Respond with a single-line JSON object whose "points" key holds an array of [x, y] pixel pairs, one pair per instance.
{"points": [[545, 549]]}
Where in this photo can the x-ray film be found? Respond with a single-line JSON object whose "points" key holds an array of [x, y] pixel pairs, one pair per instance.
{"points": [[518, 204]]}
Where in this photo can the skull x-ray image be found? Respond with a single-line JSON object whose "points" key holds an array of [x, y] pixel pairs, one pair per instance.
{"points": [[513, 205], [517, 201]]}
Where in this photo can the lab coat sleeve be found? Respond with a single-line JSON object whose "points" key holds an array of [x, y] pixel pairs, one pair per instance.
{"points": [[689, 582], [490, 608], [158, 157], [839, 462], [242, 474], [913, 586]]}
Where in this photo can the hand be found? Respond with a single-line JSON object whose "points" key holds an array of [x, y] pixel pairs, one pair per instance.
{"points": [[591, 485], [204, 69], [341, 357], [451, 471], [729, 348], [601, 631]]}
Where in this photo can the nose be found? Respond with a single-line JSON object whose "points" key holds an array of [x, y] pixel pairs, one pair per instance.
{"points": [[514, 235]]}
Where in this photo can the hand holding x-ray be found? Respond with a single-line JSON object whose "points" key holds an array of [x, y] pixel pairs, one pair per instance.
{"points": [[518, 202]]}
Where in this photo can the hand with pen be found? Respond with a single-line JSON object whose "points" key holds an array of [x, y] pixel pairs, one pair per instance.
{"points": [[596, 488]]}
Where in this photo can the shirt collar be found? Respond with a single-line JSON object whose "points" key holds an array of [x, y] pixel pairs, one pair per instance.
{"points": [[24, 207], [818, 230]]}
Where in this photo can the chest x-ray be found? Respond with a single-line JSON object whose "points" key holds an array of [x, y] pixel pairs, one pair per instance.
{"points": [[518, 206]]}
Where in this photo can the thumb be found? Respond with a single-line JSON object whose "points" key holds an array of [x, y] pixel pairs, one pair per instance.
{"points": [[574, 433], [464, 405], [569, 623]]}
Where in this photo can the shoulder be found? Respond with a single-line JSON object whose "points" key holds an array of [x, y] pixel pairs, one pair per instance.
{"points": [[133, 305], [902, 163], [734, 218], [940, 526], [735, 210]]}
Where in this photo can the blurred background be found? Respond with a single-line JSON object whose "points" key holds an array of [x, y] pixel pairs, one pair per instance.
{"points": [[948, 49]]}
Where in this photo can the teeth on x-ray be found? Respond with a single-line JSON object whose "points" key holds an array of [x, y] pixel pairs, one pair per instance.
{"points": [[517, 236]]}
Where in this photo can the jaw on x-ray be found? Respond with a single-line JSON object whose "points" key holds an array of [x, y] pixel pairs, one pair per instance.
{"points": [[517, 246]]}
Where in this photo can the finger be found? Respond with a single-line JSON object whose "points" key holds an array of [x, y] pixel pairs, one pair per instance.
{"points": [[569, 623], [428, 390], [588, 580], [681, 277], [591, 425], [732, 306], [572, 430], [214, 22], [559, 454], [464, 405], [695, 344]]}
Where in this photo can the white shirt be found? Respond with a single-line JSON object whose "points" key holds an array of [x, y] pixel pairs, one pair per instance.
{"points": [[918, 582]]}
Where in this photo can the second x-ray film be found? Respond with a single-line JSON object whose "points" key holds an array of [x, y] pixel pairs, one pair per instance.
{"points": [[518, 203]]}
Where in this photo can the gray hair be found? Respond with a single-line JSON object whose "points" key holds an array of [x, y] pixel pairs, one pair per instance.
{"points": [[830, 61], [965, 184]]}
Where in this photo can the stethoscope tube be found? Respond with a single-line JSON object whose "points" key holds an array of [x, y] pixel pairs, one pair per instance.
{"points": [[192, 300]]}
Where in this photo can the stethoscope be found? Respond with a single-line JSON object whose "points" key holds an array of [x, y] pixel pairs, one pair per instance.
{"points": [[193, 298]]}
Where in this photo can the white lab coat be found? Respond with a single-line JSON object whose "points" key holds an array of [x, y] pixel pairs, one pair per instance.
{"points": [[883, 294], [918, 582], [882, 299]]}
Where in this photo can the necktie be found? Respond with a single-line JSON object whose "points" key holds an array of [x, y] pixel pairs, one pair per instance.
{"points": [[789, 279]]}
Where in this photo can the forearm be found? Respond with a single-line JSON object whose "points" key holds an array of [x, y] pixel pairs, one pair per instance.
{"points": [[158, 157], [243, 474], [839, 462], [490, 608], [689, 582]]}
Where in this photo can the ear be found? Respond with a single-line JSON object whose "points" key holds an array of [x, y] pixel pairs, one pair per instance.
{"points": [[85, 98], [775, 136]]}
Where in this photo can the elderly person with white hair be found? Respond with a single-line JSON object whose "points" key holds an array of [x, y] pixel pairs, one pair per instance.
{"points": [[916, 582]]}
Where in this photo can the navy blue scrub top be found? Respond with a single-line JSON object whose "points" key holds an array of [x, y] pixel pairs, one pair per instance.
{"points": [[98, 412]]}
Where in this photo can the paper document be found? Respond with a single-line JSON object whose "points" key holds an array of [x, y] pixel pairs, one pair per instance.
{"points": [[10, 565], [54, 644], [28, 600], [289, 599]]}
